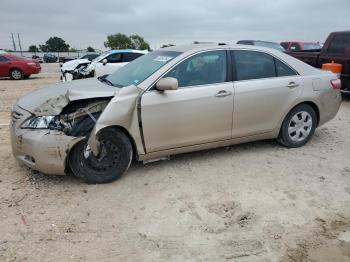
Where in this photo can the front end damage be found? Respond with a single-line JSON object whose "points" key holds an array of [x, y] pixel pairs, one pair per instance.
{"points": [[80, 72], [76, 69], [46, 149], [43, 137]]}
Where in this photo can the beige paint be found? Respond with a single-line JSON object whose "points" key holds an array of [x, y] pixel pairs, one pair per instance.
{"points": [[186, 119]]}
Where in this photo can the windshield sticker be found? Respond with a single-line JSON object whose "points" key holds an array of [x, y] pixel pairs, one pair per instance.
{"points": [[162, 59]]}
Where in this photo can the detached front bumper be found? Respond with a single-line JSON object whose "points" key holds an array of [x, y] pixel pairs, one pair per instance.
{"points": [[40, 149], [67, 76]]}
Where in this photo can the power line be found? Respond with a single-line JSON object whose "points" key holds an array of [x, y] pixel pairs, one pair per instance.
{"points": [[19, 43], [13, 42]]}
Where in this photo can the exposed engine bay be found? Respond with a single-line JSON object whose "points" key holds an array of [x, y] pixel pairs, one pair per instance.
{"points": [[79, 117]]}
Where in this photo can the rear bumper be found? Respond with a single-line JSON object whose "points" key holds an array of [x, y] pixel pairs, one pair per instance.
{"points": [[329, 106], [32, 70]]}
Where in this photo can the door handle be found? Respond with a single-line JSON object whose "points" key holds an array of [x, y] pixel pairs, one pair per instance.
{"points": [[292, 85], [223, 93]]}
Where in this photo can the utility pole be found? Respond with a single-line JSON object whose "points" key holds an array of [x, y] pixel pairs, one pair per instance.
{"points": [[13, 42], [19, 43]]}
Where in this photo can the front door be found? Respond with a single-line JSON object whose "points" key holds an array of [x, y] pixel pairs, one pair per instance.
{"points": [[199, 111], [4, 66]]}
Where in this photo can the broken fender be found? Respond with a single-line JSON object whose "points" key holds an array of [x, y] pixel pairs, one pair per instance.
{"points": [[122, 112]]}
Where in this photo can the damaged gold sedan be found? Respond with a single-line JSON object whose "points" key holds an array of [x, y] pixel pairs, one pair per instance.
{"points": [[171, 101]]}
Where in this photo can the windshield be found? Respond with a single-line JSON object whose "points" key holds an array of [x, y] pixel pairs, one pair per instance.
{"points": [[270, 45], [311, 46], [141, 68]]}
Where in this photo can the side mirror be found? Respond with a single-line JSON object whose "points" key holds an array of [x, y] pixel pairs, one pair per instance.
{"points": [[167, 83], [104, 61]]}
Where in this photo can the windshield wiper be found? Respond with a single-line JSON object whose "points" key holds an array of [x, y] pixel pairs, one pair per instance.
{"points": [[105, 80]]}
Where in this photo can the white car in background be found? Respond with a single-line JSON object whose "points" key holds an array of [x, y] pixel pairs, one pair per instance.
{"points": [[106, 63]]}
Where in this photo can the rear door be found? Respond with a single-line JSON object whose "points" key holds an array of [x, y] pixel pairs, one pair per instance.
{"points": [[265, 87], [199, 111], [4, 66]]}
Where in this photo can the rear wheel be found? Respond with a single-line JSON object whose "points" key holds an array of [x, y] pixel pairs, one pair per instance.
{"points": [[298, 126], [113, 160], [16, 74]]}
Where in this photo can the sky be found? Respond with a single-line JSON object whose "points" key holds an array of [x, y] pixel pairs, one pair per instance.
{"points": [[87, 23]]}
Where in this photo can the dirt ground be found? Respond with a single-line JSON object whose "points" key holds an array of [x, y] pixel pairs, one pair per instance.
{"points": [[249, 202]]}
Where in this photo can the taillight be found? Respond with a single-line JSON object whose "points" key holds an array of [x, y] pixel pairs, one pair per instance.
{"points": [[336, 84]]}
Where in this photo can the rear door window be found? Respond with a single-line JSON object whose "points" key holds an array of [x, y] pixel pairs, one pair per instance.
{"points": [[339, 44], [253, 65], [250, 65]]}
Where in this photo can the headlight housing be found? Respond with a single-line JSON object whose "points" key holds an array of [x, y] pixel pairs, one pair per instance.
{"points": [[38, 122]]}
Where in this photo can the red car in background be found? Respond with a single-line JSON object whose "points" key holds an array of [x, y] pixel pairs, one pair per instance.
{"points": [[17, 67], [301, 46]]}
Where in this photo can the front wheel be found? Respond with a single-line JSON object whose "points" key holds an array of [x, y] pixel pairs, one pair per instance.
{"points": [[298, 126], [113, 160]]}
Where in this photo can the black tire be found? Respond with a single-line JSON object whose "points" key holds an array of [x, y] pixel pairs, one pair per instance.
{"points": [[304, 129], [115, 158], [16, 74]]}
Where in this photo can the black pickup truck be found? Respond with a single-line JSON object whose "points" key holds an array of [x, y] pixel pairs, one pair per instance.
{"points": [[337, 49]]}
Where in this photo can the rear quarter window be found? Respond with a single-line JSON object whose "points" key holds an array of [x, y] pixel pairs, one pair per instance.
{"points": [[253, 65], [283, 70]]}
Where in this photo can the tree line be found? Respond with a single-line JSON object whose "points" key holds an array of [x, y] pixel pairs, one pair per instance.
{"points": [[115, 41]]}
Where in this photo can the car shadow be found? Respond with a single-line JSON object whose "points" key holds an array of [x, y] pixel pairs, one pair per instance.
{"points": [[216, 153], [43, 180], [27, 79]]}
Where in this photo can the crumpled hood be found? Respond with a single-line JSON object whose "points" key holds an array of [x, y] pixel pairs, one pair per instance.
{"points": [[52, 99], [71, 65]]}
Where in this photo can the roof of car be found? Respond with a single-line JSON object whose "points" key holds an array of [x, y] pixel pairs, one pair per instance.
{"points": [[302, 42], [199, 47], [115, 51], [262, 41]]}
